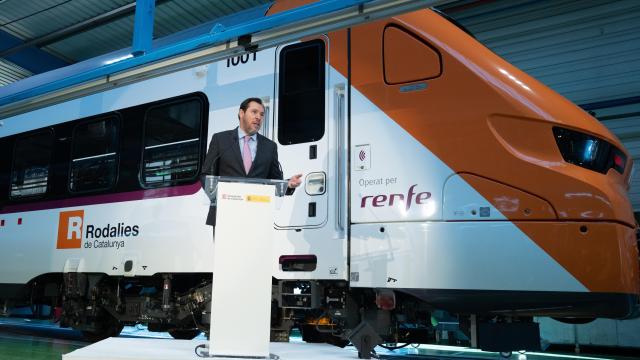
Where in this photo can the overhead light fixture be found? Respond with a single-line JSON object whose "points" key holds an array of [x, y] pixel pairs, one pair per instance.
{"points": [[109, 62]]}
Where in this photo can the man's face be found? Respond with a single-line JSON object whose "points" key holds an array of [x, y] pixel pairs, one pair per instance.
{"points": [[251, 120]]}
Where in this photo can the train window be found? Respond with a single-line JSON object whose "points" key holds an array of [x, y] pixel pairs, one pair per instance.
{"points": [[94, 155], [172, 143], [301, 93], [31, 162], [407, 58], [6, 149]]}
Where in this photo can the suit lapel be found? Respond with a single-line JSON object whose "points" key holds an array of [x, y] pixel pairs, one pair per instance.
{"points": [[235, 144]]}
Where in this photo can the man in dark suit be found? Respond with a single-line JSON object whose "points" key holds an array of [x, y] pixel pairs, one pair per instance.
{"points": [[244, 152]]}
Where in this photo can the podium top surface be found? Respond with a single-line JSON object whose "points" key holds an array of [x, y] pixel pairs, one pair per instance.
{"points": [[211, 184], [246, 180]]}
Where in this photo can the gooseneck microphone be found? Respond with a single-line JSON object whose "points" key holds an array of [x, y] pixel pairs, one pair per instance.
{"points": [[220, 154], [211, 169]]}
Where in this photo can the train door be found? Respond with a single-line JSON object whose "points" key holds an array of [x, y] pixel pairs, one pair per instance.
{"points": [[309, 112], [301, 131]]}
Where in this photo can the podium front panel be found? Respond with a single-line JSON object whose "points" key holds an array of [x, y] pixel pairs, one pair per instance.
{"points": [[241, 299]]}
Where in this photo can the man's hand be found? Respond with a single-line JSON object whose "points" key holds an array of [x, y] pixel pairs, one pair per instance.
{"points": [[295, 181]]}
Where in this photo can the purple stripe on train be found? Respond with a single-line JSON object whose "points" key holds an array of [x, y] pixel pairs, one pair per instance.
{"points": [[104, 199]]}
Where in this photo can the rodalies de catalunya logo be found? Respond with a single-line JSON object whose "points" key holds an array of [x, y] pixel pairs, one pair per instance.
{"points": [[72, 230]]}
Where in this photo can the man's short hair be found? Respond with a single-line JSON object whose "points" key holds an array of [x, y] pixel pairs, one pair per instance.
{"points": [[245, 104]]}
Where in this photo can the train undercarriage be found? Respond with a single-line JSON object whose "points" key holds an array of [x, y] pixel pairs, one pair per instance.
{"points": [[323, 311]]}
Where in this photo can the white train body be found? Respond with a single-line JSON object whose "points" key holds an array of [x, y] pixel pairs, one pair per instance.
{"points": [[172, 236], [385, 212]]}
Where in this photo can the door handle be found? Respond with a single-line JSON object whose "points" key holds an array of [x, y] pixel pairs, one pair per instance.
{"points": [[315, 183]]}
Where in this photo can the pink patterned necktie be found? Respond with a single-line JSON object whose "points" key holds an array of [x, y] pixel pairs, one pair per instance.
{"points": [[246, 154]]}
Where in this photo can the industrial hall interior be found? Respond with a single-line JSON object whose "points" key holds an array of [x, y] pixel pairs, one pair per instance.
{"points": [[319, 179]]}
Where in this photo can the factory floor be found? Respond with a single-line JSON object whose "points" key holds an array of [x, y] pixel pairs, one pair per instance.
{"points": [[41, 340]]}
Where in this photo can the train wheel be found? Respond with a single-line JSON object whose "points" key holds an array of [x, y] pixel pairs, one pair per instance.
{"points": [[506, 354], [184, 334], [311, 335], [106, 330]]}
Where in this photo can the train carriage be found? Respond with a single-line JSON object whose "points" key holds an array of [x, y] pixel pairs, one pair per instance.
{"points": [[436, 177]]}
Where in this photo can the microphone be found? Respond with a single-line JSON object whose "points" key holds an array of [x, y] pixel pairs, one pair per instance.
{"points": [[220, 154], [211, 170], [280, 168], [289, 190]]}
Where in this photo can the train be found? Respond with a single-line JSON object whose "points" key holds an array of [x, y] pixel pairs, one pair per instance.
{"points": [[437, 178]]}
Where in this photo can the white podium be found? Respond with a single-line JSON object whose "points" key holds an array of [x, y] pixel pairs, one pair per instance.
{"points": [[242, 263]]}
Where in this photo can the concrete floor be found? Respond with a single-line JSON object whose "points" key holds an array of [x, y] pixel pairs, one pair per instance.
{"points": [[40, 340]]}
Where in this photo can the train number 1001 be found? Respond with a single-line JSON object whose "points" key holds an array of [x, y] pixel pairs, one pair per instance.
{"points": [[242, 59]]}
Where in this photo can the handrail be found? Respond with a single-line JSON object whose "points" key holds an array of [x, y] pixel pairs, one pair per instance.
{"points": [[341, 141]]}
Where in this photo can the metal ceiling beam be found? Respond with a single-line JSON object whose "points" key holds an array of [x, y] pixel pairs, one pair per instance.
{"points": [[316, 18], [29, 58], [72, 30], [143, 27], [611, 103]]}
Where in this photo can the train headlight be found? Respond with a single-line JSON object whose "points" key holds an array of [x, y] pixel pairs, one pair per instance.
{"points": [[589, 151]]}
